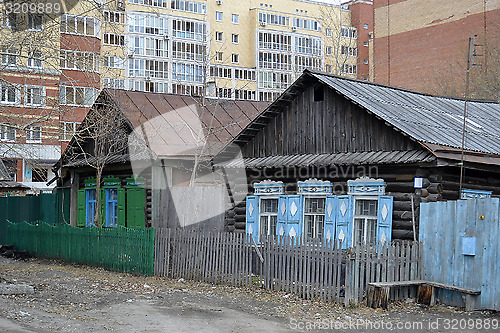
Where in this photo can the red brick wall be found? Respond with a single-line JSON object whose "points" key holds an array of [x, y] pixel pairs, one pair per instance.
{"points": [[429, 59], [361, 14]]}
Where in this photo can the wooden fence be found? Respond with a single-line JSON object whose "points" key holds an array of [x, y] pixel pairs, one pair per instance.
{"points": [[312, 269]]}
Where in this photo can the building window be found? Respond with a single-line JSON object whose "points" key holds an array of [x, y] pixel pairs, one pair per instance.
{"points": [[78, 96], [235, 58], [188, 51], [189, 6], [265, 18], [235, 18], [10, 21], [80, 25], [306, 24], [365, 61], [35, 22], [111, 207], [328, 32], [114, 39], [365, 26], [34, 96], [113, 83], [348, 69], [9, 94], [218, 16], [154, 3], [349, 51], [7, 133], [113, 62], [35, 59], [329, 69], [268, 217], [314, 217], [77, 60], [328, 50], [189, 29], [235, 38], [365, 221], [33, 134], [9, 56], [218, 56], [67, 130], [148, 24], [156, 47], [187, 72], [113, 17], [218, 36], [349, 32], [90, 206]]}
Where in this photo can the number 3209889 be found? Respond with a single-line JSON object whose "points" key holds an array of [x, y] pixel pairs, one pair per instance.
{"points": [[32, 7]]}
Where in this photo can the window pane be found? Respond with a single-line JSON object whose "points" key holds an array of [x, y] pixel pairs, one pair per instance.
{"points": [[366, 207], [269, 205], [315, 205]]}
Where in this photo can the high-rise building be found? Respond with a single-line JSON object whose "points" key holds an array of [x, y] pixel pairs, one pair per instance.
{"points": [[53, 66]]}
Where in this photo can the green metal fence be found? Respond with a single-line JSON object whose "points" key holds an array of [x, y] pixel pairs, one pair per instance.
{"points": [[119, 249]]}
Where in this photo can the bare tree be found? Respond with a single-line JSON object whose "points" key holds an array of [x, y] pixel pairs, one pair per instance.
{"points": [[101, 137]]}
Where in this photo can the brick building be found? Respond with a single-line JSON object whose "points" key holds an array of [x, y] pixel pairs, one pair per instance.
{"points": [[362, 18], [423, 44]]}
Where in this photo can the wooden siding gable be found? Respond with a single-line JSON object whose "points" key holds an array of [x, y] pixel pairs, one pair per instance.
{"points": [[331, 125]]}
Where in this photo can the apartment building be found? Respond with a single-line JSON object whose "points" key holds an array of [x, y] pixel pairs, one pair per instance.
{"points": [[53, 66]]}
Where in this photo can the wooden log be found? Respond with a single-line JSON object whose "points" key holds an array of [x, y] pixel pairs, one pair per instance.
{"points": [[422, 173], [230, 213], [401, 215], [400, 187], [240, 218], [424, 294], [421, 192], [230, 221], [402, 225], [435, 188], [399, 196], [378, 297], [450, 195], [230, 228], [402, 205], [402, 234], [435, 178], [240, 210], [240, 225]]}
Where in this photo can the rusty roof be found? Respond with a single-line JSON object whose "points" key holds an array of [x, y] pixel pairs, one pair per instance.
{"points": [[178, 120]]}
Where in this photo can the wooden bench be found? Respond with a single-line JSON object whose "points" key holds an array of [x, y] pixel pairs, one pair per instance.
{"points": [[378, 292]]}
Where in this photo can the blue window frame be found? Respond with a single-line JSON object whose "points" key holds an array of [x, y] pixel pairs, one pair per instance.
{"points": [[90, 206], [111, 207]]}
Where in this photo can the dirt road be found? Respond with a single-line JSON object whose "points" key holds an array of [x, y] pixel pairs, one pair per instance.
{"points": [[74, 298]]}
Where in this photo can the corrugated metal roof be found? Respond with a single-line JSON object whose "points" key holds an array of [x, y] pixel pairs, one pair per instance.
{"points": [[426, 118], [361, 158]]}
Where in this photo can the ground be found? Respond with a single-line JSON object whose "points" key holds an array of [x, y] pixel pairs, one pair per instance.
{"points": [[77, 298]]}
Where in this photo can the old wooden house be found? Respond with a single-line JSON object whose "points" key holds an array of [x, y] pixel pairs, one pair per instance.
{"points": [[335, 157], [148, 145]]}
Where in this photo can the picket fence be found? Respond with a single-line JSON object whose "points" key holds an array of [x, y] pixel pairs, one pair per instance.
{"points": [[119, 249], [310, 268]]}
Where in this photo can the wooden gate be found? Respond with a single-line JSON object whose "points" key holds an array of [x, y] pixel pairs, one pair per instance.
{"points": [[461, 247]]}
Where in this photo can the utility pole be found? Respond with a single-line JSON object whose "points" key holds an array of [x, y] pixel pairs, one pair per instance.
{"points": [[467, 74]]}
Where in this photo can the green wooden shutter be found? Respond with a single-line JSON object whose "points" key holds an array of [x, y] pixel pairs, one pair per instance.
{"points": [[121, 207], [136, 201], [81, 208]]}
